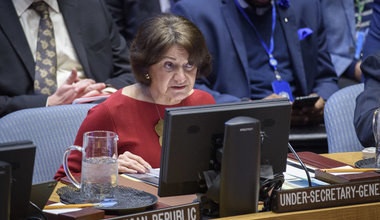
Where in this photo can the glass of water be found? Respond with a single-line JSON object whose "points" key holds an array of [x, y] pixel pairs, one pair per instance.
{"points": [[99, 175]]}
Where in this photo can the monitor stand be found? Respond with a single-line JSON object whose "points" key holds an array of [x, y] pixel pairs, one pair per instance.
{"points": [[233, 183], [5, 190]]}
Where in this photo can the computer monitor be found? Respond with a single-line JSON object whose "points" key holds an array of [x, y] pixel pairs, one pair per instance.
{"points": [[190, 134], [20, 155]]}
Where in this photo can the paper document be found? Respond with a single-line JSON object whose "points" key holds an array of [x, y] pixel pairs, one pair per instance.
{"points": [[151, 178], [295, 176], [60, 211]]}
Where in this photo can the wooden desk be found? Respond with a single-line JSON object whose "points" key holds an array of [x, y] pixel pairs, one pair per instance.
{"points": [[89, 213], [347, 157], [168, 201], [361, 211]]}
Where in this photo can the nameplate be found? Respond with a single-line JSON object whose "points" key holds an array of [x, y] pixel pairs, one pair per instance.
{"points": [[183, 212], [326, 196]]}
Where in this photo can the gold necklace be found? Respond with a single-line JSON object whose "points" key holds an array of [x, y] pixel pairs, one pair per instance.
{"points": [[159, 128]]}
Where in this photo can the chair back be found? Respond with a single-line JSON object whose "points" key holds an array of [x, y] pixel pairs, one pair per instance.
{"points": [[339, 120], [52, 130]]}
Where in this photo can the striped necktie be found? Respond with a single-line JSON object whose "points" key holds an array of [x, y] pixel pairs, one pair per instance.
{"points": [[46, 58]]}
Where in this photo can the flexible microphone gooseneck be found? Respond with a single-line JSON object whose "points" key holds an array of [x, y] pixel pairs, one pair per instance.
{"points": [[40, 212], [302, 164]]}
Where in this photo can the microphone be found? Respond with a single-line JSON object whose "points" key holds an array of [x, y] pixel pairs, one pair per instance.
{"points": [[40, 213], [302, 164]]}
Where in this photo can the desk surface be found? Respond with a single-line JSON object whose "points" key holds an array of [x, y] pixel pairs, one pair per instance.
{"points": [[88, 214], [124, 181], [347, 157], [361, 211]]}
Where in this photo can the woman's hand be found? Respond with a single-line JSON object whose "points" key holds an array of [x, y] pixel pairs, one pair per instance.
{"points": [[131, 163]]}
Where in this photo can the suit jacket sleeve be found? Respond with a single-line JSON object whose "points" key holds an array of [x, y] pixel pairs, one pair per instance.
{"points": [[100, 48], [372, 42], [124, 13], [320, 75], [203, 83], [325, 82], [122, 71], [368, 101], [10, 104], [339, 32], [219, 97]]}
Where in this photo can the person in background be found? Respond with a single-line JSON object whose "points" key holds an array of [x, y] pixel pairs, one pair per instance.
{"points": [[265, 49], [369, 100], [372, 43], [54, 51], [167, 55], [130, 14], [347, 23]]}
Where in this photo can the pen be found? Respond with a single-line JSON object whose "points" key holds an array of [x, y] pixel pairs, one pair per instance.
{"points": [[348, 170], [70, 206]]}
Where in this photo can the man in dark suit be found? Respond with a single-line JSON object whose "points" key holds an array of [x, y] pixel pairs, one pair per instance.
{"points": [[372, 43], [346, 36], [91, 54], [129, 14], [368, 101], [236, 32]]}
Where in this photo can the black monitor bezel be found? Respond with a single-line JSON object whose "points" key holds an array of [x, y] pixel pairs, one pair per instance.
{"points": [[279, 111], [20, 155]]}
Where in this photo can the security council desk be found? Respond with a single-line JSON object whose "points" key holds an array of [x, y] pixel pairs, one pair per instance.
{"points": [[359, 211]]}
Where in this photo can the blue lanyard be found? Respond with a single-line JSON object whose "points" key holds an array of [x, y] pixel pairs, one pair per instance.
{"points": [[272, 61]]}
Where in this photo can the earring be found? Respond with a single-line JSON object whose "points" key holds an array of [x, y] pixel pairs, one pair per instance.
{"points": [[147, 76]]}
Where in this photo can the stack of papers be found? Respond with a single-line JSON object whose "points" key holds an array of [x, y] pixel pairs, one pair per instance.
{"points": [[295, 176]]}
